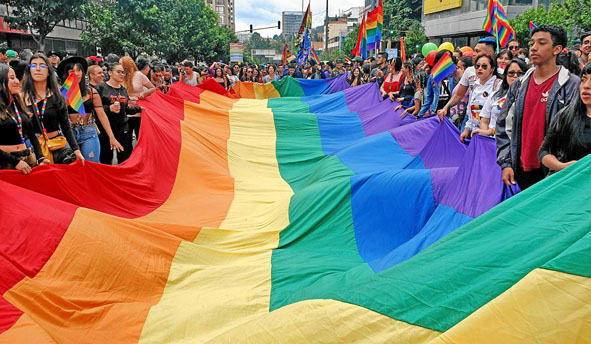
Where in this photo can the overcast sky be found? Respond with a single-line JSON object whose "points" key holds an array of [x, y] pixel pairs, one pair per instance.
{"points": [[261, 13]]}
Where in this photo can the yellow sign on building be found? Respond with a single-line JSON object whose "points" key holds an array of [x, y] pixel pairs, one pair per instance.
{"points": [[433, 6]]}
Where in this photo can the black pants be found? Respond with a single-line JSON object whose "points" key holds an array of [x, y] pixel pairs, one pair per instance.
{"points": [[134, 126], [123, 135], [526, 179]]}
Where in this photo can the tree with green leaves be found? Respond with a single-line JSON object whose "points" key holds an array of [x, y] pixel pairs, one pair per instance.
{"points": [[573, 15], [39, 18], [174, 29]]}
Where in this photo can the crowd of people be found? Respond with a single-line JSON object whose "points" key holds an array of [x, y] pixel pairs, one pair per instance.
{"points": [[535, 102]]}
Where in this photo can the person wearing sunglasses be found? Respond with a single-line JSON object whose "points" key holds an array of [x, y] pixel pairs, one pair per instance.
{"points": [[492, 107], [115, 101], [486, 84], [50, 112], [513, 46], [532, 102]]}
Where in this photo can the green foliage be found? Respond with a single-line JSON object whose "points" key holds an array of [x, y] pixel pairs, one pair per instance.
{"points": [[350, 42], [333, 55], [173, 29], [40, 17], [400, 15], [415, 36], [573, 15]]}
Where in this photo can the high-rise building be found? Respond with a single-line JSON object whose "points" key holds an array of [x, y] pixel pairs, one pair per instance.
{"points": [[226, 12], [291, 22]]}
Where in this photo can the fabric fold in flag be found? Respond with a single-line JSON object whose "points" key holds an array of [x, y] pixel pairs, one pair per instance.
{"points": [[305, 209]]}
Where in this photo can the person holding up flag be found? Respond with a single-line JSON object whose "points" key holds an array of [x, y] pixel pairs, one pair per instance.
{"points": [[50, 113], [84, 108]]}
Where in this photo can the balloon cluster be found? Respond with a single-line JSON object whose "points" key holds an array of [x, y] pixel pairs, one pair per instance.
{"points": [[430, 50]]}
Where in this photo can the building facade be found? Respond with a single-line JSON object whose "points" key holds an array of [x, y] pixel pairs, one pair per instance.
{"points": [[65, 37], [226, 12], [460, 21], [291, 21]]}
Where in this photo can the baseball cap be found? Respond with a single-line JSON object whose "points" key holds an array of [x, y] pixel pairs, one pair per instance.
{"points": [[11, 53]]}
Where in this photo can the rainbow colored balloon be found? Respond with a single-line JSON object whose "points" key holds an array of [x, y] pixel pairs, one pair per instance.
{"points": [[316, 216]]}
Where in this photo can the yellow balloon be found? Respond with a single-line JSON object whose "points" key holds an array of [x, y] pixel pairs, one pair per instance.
{"points": [[446, 46]]}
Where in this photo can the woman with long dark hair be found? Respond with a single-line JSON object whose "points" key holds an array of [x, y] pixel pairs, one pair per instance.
{"points": [[84, 127], [569, 136], [408, 87], [356, 77], [504, 57], [116, 105], [220, 78], [484, 87], [492, 107], [50, 113], [16, 129]]}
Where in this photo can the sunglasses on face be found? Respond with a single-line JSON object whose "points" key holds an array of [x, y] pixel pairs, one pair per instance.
{"points": [[34, 66], [514, 48], [515, 73], [483, 66]]}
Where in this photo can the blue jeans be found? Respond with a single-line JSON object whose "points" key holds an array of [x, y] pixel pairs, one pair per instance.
{"points": [[88, 140]]}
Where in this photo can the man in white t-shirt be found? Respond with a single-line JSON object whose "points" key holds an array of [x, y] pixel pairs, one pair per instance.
{"points": [[188, 76], [485, 46]]}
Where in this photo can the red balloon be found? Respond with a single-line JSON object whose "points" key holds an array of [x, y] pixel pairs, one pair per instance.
{"points": [[431, 57]]}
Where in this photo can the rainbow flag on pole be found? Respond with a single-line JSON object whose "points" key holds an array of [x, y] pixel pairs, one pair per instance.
{"points": [[532, 26], [314, 56], [285, 54], [71, 91], [375, 22], [361, 45], [497, 24]]}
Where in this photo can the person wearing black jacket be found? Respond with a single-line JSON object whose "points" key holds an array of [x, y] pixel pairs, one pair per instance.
{"points": [[115, 102], [16, 129], [48, 106], [569, 137]]}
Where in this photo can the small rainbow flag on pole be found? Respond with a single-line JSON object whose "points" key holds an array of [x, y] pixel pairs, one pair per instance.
{"points": [[291, 58], [314, 56], [497, 24], [443, 68], [532, 26], [285, 54], [71, 91]]}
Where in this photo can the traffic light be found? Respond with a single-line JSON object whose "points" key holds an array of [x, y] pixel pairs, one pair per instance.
{"points": [[250, 28], [279, 25]]}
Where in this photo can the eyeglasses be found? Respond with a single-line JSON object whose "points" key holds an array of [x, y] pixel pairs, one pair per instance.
{"points": [[121, 72], [34, 66], [515, 47], [483, 66], [586, 42], [515, 73]]}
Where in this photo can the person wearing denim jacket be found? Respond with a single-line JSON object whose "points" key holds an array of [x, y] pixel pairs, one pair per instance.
{"points": [[431, 98], [509, 127]]}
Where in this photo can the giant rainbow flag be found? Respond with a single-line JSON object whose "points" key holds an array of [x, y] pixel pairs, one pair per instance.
{"points": [[316, 216]]}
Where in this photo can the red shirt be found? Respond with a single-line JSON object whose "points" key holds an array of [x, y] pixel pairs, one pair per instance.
{"points": [[392, 83], [534, 121]]}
